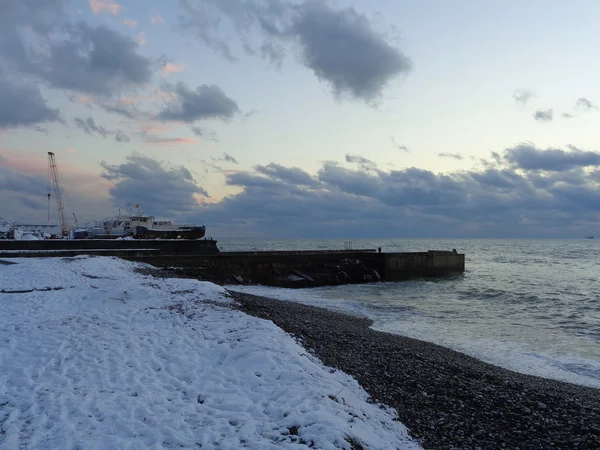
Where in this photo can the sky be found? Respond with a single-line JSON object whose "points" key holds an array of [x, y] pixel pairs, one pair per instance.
{"points": [[306, 119]]}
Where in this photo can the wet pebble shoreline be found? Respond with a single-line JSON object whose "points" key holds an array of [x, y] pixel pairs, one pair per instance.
{"points": [[447, 400]]}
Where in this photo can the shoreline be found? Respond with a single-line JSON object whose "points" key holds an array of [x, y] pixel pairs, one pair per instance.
{"points": [[445, 398]]}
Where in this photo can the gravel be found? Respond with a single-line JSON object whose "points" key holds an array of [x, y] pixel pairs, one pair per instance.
{"points": [[445, 398]]}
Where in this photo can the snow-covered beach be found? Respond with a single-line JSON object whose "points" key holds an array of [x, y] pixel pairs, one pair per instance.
{"points": [[96, 355]]}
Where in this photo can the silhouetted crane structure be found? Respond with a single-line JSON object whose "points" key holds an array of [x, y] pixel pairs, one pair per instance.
{"points": [[54, 177]]}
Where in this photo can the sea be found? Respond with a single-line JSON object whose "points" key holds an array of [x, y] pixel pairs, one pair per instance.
{"points": [[531, 306]]}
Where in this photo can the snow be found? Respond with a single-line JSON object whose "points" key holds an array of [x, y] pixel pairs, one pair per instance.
{"points": [[95, 355]]}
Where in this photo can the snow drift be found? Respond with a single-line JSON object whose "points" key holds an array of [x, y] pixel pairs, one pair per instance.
{"points": [[95, 355]]}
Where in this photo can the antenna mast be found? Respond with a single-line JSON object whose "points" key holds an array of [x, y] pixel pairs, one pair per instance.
{"points": [[64, 226]]}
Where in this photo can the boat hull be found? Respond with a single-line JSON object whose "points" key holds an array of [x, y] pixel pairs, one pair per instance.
{"points": [[180, 233]]}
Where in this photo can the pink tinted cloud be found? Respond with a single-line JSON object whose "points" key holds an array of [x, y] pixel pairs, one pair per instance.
{"points": [[141, 39], [156, 140], [73, 175], [161, 96], [153, 127], [109, 6], [131, 100], [155, 17], [85, 99], [170, 67], [130, 23]]}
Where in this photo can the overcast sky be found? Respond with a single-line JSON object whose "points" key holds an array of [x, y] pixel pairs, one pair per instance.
{"points": [[280, 118]]}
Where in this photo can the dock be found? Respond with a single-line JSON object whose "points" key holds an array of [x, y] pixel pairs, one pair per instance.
{"points": [[202, 259]]}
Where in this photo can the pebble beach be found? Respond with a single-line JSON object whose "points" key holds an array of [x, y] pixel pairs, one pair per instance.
{"points": [[445, 398]]}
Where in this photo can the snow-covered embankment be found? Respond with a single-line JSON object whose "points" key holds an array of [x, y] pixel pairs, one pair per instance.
{"points": [[96, 355]]}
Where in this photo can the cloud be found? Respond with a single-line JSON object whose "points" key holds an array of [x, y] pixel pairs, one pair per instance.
{"points": [[108, 6], [544, 115], [89, 126], [227, 158], [128, 111], [293, 175], [205, 102], [22, 104], [528, 157], [141, 38], [340, 46], [522, 95], [122, 137], [517, 195], [130, 23], [96, 60], [37, 40], [402, 148], [24, 184], [567, 115], [363, 162], [161, 188], [165, 140], [169, 67], [451, 155], [210, 136], [155, 17], [583, 104]]}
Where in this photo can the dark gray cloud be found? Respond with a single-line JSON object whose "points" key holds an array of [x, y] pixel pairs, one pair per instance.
{"points": [[402, 148], [363, 163], [357, 159], [517, 195], [522, 95], [544, 115], [340, 46], [89, 126], [205, 102], [451, 155], [122, 137], [528, 157], [583, 104], [202, 132], [38, 40], [227, 158], [14, 181], [567, 115], [162, 189], [127, 111], [293, 175], [94, 60], [22, 104]]}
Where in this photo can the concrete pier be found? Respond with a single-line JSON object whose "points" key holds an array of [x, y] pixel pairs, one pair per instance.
{"points": [[202, 258]]}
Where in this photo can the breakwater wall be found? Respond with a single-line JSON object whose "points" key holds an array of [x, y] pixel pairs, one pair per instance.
{"points": [[311, 268], [202, 259]]}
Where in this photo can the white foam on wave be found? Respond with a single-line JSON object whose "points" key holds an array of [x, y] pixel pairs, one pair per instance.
{"points": [[501, 351]]}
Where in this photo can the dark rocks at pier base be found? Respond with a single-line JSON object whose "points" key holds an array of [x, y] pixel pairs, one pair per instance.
{"points": [[345, 271], [445, 398]]}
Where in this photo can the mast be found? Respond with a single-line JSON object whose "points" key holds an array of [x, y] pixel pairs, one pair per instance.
{"points": [[64, 226]]}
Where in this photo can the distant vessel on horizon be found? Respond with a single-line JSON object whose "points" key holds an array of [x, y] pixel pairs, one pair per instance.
{"points": [[590, 237]]}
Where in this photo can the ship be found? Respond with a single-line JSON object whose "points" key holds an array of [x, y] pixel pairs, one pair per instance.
{"points": [[138, 226]]}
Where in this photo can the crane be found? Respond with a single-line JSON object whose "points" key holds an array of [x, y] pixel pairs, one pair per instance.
{"points": [[53, 175]]}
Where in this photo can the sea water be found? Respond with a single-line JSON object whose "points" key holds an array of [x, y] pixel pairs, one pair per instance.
{"points": [[532, 306]]}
